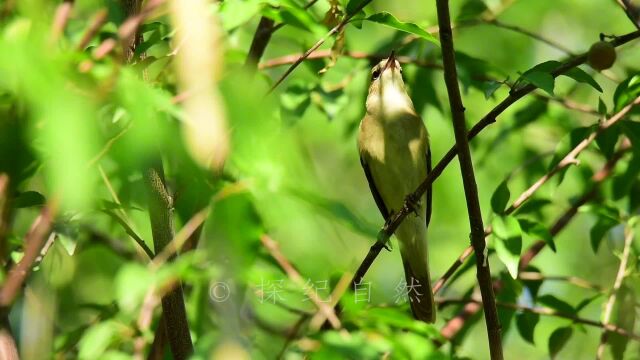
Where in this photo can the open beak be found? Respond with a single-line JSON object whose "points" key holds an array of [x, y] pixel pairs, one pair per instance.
{"points": [[391, 61]]}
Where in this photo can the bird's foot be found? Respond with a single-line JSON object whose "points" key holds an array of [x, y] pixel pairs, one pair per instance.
{"points": [[412, 203]]}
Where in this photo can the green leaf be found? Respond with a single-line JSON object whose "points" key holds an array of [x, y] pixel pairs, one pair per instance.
{"points": [[471, 9], [602, 107], [626, 92], [97, 339], [132, 283], [508, 242], [29, 199], [490, 87], [532, 206], [295, 101], [599, 230], [389, 20], [353, 6], [558, 339], [607, 140], [235, 13], [537, 231], [580, 75], [500, 198], [542, 80], [556, 304], [526, 323], [625, 317]]}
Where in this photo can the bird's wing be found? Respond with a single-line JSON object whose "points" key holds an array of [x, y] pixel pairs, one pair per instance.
{"points": [[429, 193], [372, 186]]}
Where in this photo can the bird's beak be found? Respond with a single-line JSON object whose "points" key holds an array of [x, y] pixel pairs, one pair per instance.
{"points": [[391, 61]]}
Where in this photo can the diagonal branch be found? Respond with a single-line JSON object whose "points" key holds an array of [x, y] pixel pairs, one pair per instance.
{"points": [[453, 326], [331, 32], [632, 12], [468, 179], [622, 269], [607, 328], [393, 222]]}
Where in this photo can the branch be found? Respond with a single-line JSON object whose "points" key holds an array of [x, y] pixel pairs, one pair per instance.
{"points": [[321, 54], [99, 19], [632, 12], [331, 32], [530, 34], [266, 28], [33, 242], [8, 347], [628, 240], [571, 157], [468, 179], [394, 221], [161, 216], [453, 326], [60, 19], [607, 328], [294, 275]]}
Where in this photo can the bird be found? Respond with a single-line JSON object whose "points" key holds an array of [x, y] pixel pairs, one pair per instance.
{"points": [[393, 144]]}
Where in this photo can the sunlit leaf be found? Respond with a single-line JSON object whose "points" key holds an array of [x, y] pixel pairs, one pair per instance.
{"points": [[558, 340], [508, 242], [389, 20], [500, 198]]}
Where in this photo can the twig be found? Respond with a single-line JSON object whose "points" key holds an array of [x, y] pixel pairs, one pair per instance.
{"points": [[530, 34], [571, 157], [631, 11], [607, 328], [33, 243], [295, 276], [60, 19], [321, 54], [8, 346], [331, 32], [574, 280], [394, 221], [266, 28], [453, 326], [99, 19], [606, 318], [468, 179]]}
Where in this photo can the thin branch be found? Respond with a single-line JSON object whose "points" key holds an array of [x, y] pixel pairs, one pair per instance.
{"points": [[574, 280], [331, 32], [468, 179], [295, 276], [322, 54], [607, 328], [33, 241], [266, 28], [98, 20], [571, 157], [516, 94], [60, 19], [631, 11], [622, 269], [453, 326], [8, 346], [530, 34]]}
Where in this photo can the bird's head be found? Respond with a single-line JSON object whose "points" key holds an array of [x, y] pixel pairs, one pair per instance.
{"points": [[387, 91]]}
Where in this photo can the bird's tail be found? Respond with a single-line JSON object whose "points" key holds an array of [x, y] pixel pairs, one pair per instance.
{"points": [[413, 249]]}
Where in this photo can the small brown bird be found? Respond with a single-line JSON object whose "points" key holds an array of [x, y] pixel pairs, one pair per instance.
{"points": [[394, 153]]}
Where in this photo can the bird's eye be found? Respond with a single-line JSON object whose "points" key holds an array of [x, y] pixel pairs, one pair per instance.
{"points": [[400, 70], [375, 75]]}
